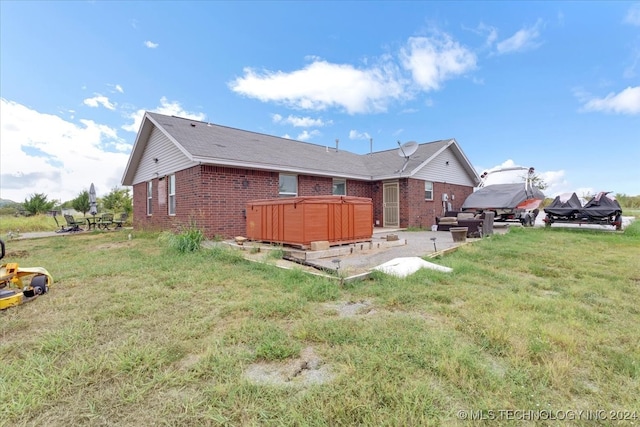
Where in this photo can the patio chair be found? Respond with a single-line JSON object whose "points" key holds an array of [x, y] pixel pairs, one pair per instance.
{"points": [[72, 223], [106, 219], [121, 220]]}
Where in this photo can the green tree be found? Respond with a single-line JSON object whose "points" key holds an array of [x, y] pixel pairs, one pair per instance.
{"points": [[537, 181], [81, 203], [631, 202], [67, 205], [38, 203], [118, 200]]}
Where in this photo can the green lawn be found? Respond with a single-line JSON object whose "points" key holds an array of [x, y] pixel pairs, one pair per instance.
{"points": [[135, 334]]}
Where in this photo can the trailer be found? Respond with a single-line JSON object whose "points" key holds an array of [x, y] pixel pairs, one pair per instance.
{"points": [[602, 209]]}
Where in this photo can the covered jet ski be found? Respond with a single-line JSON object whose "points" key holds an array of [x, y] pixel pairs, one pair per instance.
{"points": [[602, 209], [509, 202], [565, 206]]}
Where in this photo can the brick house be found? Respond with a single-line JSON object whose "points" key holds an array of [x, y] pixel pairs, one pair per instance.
{"points": [[184, 171]]}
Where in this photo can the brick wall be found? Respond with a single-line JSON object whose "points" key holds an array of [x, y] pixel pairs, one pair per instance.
{"points": [[415, 211], [314, 185], [457, 194], [214, 198]]}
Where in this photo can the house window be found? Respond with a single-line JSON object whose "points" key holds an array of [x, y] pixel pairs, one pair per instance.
{"points": [[288, 185], [172, 194], [339, 187], [428, 190], [149, 197]]}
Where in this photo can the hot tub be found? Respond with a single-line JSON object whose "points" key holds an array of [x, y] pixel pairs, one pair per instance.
{"points": [[298, 221]]}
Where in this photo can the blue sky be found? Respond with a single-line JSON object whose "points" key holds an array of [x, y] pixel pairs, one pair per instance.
{"points": [[553, 85]]}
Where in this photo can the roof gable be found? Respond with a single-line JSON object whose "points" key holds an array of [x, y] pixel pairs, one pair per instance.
{"points": [[207, 143]]}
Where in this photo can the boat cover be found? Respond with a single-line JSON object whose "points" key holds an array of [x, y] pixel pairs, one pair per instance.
{"points": [[501, 196], [564, 205]]}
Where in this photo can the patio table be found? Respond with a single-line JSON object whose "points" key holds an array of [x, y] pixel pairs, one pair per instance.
{"points": [[91, 223]]}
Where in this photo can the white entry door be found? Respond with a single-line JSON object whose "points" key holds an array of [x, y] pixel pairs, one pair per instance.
{"points": [[391, 204]]}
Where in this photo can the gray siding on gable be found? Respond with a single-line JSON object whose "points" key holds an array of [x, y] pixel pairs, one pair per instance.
{"points": [[437, 170], [170, 158]]}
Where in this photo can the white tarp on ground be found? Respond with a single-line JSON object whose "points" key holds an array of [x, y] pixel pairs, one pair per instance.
{"points": [[405, 266]]}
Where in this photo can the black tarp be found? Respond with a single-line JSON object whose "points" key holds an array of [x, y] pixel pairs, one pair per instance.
{"points": [[564, 205], [602, 205], [599, 207], [501, 196]]}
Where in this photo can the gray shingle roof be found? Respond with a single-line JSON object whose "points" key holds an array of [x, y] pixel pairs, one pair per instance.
{"points": [[216, 144], [388, 162], [211, 143]]}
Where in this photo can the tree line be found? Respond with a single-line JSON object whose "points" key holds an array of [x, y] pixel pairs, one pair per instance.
{"points": [[118, 200]]}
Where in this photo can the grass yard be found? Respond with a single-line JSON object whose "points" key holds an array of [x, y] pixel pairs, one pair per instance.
{"points": [[135, 334]]}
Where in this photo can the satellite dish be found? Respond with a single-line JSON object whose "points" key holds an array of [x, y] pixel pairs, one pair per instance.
{"points": [[407, 149]]}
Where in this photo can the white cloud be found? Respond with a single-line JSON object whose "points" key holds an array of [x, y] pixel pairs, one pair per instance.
{"points": [[322, 85], [488, 31], [556, 182], [524, 39], [172, 108], [98, 100], [119, 88], [300, 121], [427, 62], [354, 134], [43, 153], [625, 102], [150, 44], [307, 135], [633, 15], [432, 60]]}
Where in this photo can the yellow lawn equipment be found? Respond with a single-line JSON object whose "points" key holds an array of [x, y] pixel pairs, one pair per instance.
{"points": [[20, 285]]}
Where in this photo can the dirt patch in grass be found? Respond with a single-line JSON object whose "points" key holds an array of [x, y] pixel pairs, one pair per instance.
{"points": [[113, 245], [16, 254], [188, 362], [305, 370], [351, 308]]}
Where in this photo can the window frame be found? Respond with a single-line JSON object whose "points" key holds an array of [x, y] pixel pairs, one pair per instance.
{"points": [[428, 190], [171, 196], [337, 181], [149, 198], [282, 193]]}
